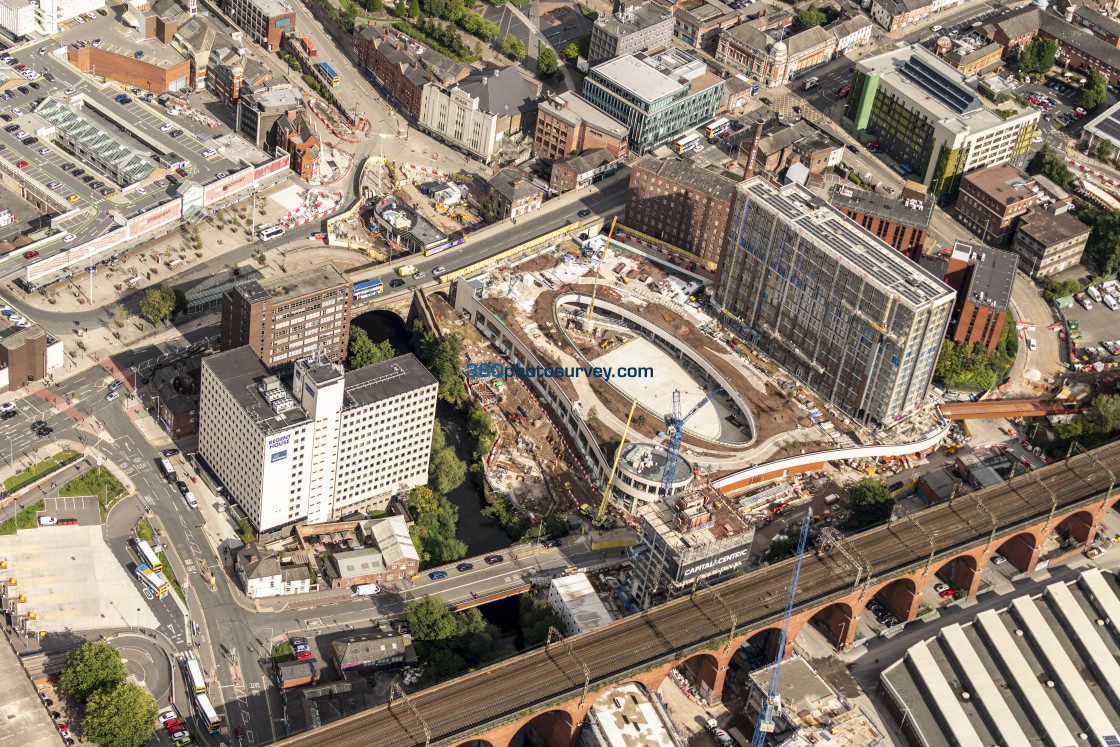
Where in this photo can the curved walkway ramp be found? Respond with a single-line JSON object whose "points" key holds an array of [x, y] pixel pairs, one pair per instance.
{"points": [[814, 461]]}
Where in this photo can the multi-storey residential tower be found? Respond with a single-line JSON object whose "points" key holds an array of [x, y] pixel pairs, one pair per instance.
{"points": [[838, 307]]}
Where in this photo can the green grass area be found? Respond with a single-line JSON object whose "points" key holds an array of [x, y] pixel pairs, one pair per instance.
{"points": [[25, 519], [588, 12], [39, 469], [98, 481], [145, 532]]}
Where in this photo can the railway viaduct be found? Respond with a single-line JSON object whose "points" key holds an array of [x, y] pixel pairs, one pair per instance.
{"points": [[553, 687]]}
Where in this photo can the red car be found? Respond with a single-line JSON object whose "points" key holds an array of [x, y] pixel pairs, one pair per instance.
{"points": [[181, 172], [173, 725], [301, 655], [31, 255], [22, 164]]}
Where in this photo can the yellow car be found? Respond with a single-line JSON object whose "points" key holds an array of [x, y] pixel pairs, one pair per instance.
{"points": [[73, 198], [1096, 552]]}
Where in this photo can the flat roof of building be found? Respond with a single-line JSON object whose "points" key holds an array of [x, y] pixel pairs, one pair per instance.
{"points": [[582, 601], [240, 371], [911, 212], [639, 79], [627, 718], [928, 84], [1003, 183], [648, 462], [1028, 678], [884, 266], [306, 282], [1049, 228], [993, 274], [641, 17], [390, 378]]}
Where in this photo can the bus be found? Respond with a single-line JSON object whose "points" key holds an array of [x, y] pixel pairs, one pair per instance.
{"points": [[207, 713], [148, 557], [687, 144], [153, 581], [406, 271], [168, 470], [328, 73], [368, 289], [309, 47], [717, 128], [194, 676]]}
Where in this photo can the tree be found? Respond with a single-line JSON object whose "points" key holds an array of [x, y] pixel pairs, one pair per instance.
{"points": [[362, 351], [571, 51], [513, 48], [584, 42], [158, 303], [1104, 150], [377, 6], [448, 642], [547, 64], [401, 10], [488, 30], [122, 716], [446, 471], [1038, 56], [870, 501], [430, 620], [245, 531], [442, 356], [1104, 238], [810, 17], [1050, 164], [434, 529], [535, 618], [454, 10], [1106, 409], [1094, 91], [471, 23], [413, 9], [91, 667]]}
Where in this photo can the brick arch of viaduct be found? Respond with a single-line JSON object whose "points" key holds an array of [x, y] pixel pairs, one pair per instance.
{"points": [[560, 724]]}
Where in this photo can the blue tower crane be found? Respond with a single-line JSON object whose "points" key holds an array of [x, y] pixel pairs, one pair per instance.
{"points": [[676, 422], [765, 724]]}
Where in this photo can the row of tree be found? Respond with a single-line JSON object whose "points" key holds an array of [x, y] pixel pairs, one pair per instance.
{"points": [[118, 713]]}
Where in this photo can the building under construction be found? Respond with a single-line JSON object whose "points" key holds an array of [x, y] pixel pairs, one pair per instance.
{"points": [[693, 536], [830, 302]]}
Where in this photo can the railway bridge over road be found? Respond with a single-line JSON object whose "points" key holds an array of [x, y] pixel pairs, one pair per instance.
{"points": [[554, 686]]}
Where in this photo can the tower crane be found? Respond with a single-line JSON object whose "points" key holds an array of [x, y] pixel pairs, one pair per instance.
{"points": [[610, 479], [676, 425], [765, 724]]}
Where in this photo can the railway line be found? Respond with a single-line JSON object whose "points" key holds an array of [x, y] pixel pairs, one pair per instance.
{"points": [[451, 712], [1008, 408]]}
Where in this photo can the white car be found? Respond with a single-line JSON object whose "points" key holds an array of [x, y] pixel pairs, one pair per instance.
{"points": [[998, 560], [208, 152], [47, 521], [168, 716], [21, 134], [69, 237], [141, 191], [439, 270], [936, 28], [7, 406], [1034, 344], [166, 127]]}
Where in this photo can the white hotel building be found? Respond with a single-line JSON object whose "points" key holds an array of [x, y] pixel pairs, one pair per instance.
{"points": [[333, 443]]}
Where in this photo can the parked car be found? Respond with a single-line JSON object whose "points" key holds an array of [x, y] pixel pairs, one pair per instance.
{"points": [[168, 452], [464, 567], [494, 559], [1096, 552], [437, 575], [943, 590], [9, 414], [47, 521]]}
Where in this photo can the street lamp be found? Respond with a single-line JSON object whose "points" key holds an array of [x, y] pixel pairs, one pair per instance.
{"points": [[138, 619], [381, 161]]}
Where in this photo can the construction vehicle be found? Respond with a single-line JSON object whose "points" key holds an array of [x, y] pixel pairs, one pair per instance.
{"points": [[765, 723], [598, 521]]}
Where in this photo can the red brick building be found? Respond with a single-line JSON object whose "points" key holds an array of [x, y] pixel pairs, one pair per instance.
{"points": [[158, 76], [991, 201], [680, 204], [568, 125], [294, 135], [1077, 49], [403, 69], [983, 278], [902, 222]]}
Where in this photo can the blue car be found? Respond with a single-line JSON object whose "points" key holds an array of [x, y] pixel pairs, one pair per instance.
{"points": [[437, 575]]}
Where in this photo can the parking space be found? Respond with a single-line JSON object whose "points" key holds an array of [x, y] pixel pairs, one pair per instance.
{"points": [[1097, 331], [81, 508]]}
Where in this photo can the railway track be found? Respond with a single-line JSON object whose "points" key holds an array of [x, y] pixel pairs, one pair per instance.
{"points": [[450, 712]]}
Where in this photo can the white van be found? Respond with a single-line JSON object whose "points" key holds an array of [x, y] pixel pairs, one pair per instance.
{"points": [[189, 498], [271, 233], [1096, 294], [1110, 302]]}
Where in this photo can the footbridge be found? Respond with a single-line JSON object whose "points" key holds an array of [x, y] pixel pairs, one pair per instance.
{"points": [[1009, 408], [554, 686]]}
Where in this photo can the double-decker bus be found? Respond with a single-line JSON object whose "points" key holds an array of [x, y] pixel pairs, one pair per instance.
{"points": [[207, 713], [717, 128], [329, 73], [194, 677], [148, 556], [153, 581], [368, 289], [687, 144]]}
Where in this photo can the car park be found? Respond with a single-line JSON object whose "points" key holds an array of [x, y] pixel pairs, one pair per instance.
{"points": [[10, 128], [21, 134], [67, 167], [24, 90], [78, 172], [88, 178], [97, 185], [30, 141]]}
